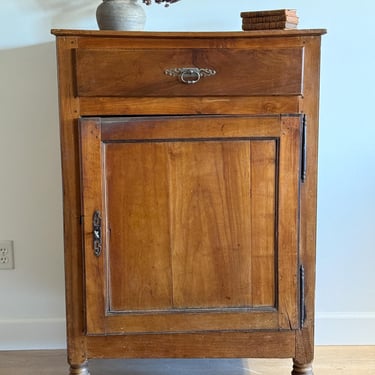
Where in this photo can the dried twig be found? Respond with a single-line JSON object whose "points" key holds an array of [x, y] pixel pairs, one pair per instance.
{"points": [[167, 2]]}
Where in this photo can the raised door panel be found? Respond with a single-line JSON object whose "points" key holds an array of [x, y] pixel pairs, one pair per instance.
{"points": [[192, 211], [212, 223], [137, 206]]}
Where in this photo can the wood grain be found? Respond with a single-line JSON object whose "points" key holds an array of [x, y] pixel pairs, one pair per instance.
{"points": [[109, 106], [133, 73], [288, 224], [91, 184], [69, 140], [211, 224], [310, 106], [137, 200], [263, 224]]}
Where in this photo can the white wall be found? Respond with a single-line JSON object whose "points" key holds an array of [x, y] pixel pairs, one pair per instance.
{"points": [[32, 295]]}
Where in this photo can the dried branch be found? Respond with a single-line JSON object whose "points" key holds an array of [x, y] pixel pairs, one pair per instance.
{"points": [[167, 2]]}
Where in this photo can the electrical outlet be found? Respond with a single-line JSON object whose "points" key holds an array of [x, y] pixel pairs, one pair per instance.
{"points": [[6, 255]]}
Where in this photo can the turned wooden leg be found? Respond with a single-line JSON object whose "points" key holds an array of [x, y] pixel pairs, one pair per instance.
{"points": [[302, 368], [79, 369]]}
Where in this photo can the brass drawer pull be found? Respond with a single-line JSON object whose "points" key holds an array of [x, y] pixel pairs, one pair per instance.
{"points": [[190, 75]]}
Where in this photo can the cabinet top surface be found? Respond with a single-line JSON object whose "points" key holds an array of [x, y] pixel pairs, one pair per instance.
{"points": [[221, 34]]}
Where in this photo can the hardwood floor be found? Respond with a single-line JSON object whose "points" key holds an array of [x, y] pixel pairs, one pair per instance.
{"points": [[330, 360]]}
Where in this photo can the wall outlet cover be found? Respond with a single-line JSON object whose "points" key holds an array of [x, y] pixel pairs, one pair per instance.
{"points": [[6, 255]]}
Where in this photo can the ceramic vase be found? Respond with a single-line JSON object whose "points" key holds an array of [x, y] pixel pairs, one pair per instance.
{"points": [[121, 15]]}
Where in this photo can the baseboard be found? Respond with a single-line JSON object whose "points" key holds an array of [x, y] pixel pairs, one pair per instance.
{"points": [[30, 334], [336, 328]]}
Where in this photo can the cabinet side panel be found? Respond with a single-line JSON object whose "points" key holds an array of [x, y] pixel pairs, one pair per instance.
{"points": [[138, 226], [305, 337]]}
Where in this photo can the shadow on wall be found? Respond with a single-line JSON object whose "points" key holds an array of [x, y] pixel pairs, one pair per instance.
{"points": [[63, 11], [31, 193], [30, 21], [64, 5]]}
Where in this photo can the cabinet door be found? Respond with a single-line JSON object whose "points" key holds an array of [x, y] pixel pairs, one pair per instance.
{"points": [[190, 223]]}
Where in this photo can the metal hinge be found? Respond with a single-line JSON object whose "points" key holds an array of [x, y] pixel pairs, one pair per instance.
{"points": [[302, 307], [304, 149]]}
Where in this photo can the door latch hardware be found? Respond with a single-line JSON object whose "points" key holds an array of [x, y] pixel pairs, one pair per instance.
{"points": [[97, 233]]}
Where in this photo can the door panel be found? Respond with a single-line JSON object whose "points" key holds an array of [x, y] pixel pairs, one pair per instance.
{"points": [[210, 224], [137, 206], [192, 223]]}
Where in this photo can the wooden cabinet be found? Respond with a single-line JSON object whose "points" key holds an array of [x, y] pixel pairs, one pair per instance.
{"points": [[189, 172]]}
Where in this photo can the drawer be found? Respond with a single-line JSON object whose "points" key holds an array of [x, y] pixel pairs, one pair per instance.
{"points": [[189, 72]]}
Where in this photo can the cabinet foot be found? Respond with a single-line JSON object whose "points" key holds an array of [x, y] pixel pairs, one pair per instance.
{"points": [[79, 370], [302, 368]]}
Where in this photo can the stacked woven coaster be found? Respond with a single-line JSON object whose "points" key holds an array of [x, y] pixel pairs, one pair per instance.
{"points": [[269, 19]]}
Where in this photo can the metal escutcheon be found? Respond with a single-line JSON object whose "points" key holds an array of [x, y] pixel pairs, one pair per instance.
{"points": [[97, 233], [190, 75]]}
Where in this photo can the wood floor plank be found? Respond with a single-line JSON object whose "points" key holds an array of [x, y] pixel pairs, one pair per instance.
{"points": [[329, 360]]}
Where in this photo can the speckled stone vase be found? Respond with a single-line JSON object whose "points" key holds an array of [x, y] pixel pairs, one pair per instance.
{"points": [[121, 15]]}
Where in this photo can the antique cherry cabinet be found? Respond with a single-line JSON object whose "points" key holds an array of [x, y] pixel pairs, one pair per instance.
{"points": [[189, 178]]}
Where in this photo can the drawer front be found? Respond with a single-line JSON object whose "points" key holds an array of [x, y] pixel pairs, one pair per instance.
{"points": [[189, 72]]}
